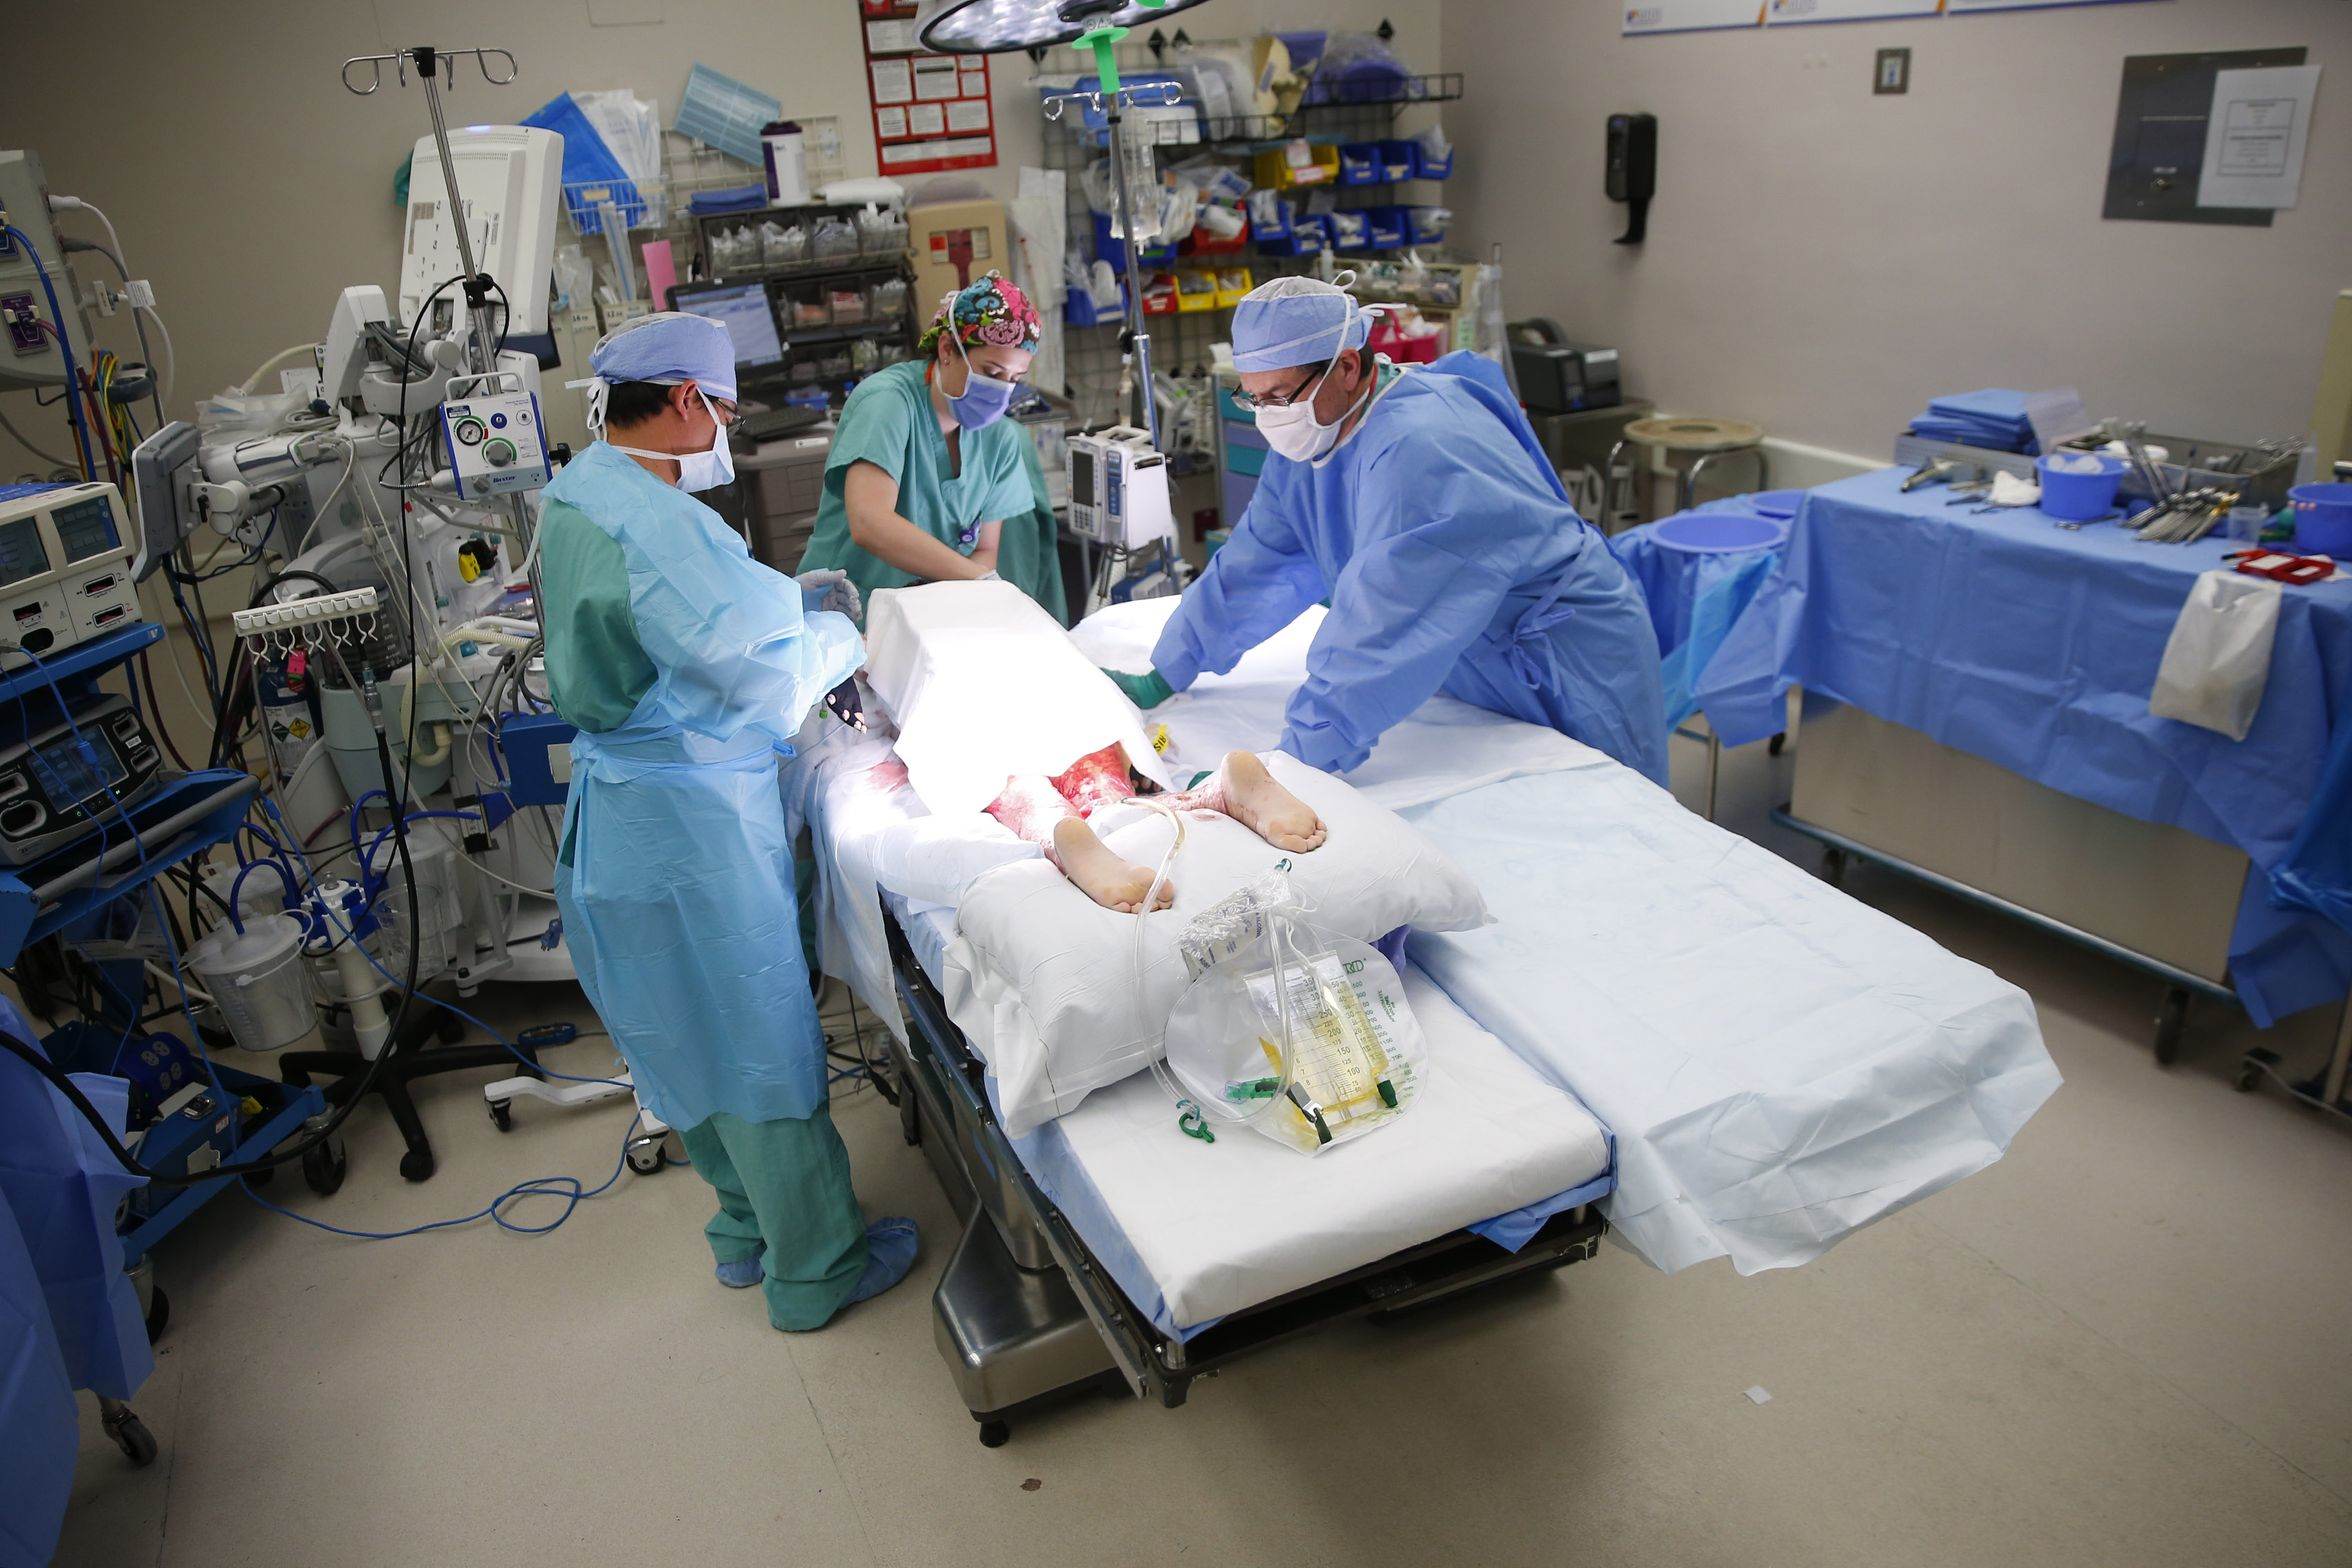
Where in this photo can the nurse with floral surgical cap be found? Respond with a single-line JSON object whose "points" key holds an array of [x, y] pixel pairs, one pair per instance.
{"points": [[926, 472], [687, 668], [1419, 504]]}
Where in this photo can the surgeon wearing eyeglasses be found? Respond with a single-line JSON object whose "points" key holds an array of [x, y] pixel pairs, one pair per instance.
{"points": [[1419, 504], [926, 470], [688, 668]]}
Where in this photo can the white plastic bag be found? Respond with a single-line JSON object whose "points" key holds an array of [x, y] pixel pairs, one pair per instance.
{"points": [[2217, 661]]}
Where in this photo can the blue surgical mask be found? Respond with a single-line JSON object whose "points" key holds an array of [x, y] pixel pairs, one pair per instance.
{"points": [[984, 399]]}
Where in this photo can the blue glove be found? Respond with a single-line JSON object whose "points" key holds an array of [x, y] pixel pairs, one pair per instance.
{"points": [[829, 589], [1147, 690]]}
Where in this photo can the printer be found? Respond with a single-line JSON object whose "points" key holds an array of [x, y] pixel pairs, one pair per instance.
{"points": [[1556, 376]]}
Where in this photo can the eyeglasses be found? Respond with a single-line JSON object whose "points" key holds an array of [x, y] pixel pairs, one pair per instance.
{"points": [[1251, 402]]}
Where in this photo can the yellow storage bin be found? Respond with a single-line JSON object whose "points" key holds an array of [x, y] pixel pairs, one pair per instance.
{"points": [[1196, 290], [1232, 284], [1287, 168]]}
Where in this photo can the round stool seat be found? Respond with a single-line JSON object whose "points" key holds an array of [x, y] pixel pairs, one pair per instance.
{"points": [[1721, 533], [1695, 434]]}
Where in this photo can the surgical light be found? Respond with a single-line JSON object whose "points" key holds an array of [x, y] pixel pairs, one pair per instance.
{"points": [[992, 26]]}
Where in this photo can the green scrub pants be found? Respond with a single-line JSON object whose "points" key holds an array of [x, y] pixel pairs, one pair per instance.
{"points": [[784, 1183]]}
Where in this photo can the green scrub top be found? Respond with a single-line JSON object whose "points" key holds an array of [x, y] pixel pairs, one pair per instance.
{"points": [[596, 668], [889, 422]]}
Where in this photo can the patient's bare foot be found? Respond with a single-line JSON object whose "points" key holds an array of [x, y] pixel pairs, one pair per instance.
{"points": [[1247, 793], [1117, 885]]}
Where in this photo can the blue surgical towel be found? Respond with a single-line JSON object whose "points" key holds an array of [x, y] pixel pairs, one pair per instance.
{"points": [[1993, 417]]}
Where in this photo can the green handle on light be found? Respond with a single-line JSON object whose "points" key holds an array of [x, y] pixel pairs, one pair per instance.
{"points": [[1106, 65]]}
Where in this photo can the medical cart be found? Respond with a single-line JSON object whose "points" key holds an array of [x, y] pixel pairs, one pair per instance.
{"points": [[97, 822]]}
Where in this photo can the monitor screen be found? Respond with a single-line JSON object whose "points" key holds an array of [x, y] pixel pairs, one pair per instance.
{"points": [[86, 528], [21, 554], [70, 772], [744, 311]]}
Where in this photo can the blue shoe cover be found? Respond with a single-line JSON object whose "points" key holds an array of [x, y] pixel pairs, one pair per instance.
{"points": [[743, 1273], [890, 1252]]}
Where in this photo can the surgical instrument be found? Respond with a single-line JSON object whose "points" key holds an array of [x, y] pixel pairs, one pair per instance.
{"points": [[1934, 472]]}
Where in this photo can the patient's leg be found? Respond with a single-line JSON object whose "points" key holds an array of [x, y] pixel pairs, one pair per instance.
{"points": [[1243, 790], [1038, 812]]}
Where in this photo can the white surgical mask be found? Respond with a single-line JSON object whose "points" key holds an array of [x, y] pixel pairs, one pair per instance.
{"points": [[696, 470], [1296, 433]]}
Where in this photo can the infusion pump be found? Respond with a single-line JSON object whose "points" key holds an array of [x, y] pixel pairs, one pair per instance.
{"points": [[1119, 489], [68, 562]]}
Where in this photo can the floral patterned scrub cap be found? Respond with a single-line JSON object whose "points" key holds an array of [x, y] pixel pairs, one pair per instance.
{"points": [[988, 310]]}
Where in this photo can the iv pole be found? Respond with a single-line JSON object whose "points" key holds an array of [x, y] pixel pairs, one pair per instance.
{"points": [[1112, 97], [481, 342]]}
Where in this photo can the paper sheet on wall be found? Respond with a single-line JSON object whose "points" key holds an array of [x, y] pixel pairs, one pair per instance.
{"points": [[894, 81], [2255, 134], [1785, 13], [1690, 16]]}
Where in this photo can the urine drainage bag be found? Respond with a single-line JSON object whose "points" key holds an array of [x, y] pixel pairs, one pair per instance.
{"points": [[1302, 1035]]}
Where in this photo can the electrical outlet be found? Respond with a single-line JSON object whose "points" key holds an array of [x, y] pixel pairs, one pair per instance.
{"points": [[24, 327]]}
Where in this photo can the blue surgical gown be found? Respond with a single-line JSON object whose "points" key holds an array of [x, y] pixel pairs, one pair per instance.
{"points": [[69, 1317], [675, 877], [1453, 562]]}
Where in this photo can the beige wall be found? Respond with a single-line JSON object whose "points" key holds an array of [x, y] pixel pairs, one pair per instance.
{"points": [[251, 187], [1824, 260]]}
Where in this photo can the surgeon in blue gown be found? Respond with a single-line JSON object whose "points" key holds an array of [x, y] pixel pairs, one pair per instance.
{"points": [[688, 667], [1420, 504]]}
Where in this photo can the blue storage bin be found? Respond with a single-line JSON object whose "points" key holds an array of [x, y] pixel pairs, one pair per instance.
{"points": [[1309, 233], [1398, 160], [1359, 163], [1079, 309], [1384, 228], [1427, 225], [1427, 168]]}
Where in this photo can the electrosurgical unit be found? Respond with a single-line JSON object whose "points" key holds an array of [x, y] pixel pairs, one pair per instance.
{"points": [[68, 560]]}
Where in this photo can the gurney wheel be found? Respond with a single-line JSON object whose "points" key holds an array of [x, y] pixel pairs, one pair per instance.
{"points": [[324, 1165], [1774, 746], [1833, 867], [2249, 1076], [130, 1434], [158, 1314], [502, 1113], [995, 1434], [647, 1157], [2171, 1017]]}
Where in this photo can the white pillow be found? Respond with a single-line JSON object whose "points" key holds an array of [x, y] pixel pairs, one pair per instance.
{"points": [[1043, 980]]}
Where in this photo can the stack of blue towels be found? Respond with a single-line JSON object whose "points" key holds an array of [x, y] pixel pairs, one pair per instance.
{"points": [[1994, 418]]}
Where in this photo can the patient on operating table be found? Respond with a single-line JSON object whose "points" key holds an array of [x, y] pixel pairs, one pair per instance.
{"points": [[1052, 812]]}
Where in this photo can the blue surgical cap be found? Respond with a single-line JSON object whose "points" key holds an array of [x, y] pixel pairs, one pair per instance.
{"points": [[668, 347], [1296, 321]]}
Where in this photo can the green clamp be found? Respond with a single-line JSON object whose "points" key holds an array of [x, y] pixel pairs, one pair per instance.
{"points": [[1194, 1124], [1253, 1089]]}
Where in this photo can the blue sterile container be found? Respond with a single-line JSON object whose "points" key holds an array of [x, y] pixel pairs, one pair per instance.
{"points": [[2323, 518], [1782, 504], [1721, 533], [2080, 497]]}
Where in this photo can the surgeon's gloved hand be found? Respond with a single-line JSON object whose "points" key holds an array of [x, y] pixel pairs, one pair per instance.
{"points": [[1147, 690], [830, 589]]}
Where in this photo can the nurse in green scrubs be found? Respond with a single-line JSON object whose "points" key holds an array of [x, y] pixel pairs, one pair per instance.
{"points": [[926, 473]]}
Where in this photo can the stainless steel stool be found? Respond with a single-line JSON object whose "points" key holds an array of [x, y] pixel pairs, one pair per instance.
{"points": [[1703, 441]]}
